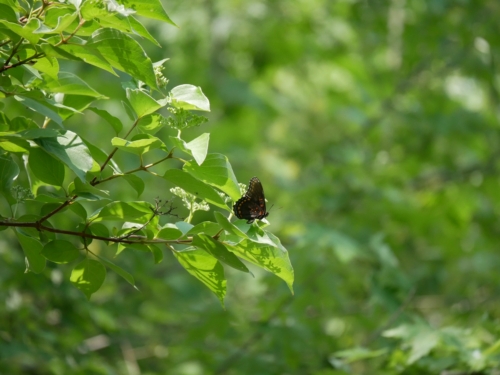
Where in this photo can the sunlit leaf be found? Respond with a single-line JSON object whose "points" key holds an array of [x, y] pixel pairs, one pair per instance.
{"points": [[88, 276]]}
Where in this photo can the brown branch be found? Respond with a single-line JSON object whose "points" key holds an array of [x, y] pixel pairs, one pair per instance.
{"points": [[116, 148], [35, 56], [139, 239], [55, 211], [14, 50]]}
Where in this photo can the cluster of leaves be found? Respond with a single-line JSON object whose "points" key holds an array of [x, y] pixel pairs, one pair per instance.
{"points": [[64, 172]]}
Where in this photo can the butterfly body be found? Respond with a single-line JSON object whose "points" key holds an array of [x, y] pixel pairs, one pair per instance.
{"points": [[252, 205]]}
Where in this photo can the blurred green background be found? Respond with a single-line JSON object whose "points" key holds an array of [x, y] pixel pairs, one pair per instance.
{"points": [[374, 128]]}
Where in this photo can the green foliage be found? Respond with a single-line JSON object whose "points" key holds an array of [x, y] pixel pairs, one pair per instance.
{"points": [[72, 170]]}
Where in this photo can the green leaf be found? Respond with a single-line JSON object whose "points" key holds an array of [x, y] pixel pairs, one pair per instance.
{"points": [[125, 54], [68, 83], [199, 147], [32, 249], [62, 24], [137, 183], [205, 268], [70, 149], [216, 171], [269, 257], [59, 251], [422, 344], [137, 212], [79, 210], [140, 30], [26, 31], [169, 232], [206, 227], [150, 124], [142, 103], [228, 226], [112, 120], [184, 227], [48, 65], [194, 186], [219, 251], [8, 173], [139, 146], [39, 133], [8, 13], [14, 144], [157, 253], [148, 8], [79, 52], [189, 97], [120, 271], [40, 106], [45, 167], [88, 276], [83, 189]]}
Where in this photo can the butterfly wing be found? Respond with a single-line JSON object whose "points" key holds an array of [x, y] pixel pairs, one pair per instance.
{"points": [[252, 205]]}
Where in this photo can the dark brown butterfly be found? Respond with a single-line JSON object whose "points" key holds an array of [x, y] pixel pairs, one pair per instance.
{"points": [[252, 205]]}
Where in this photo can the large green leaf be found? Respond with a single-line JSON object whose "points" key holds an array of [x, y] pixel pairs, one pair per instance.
{"points": [[189, 97], [48, 65], [124, 54], [46, 167], [62, 24], [14, 144], [138, 212], [136, 182], [148, 8], [207, 227], [219, 251], [8, 173], [79, 52], [198, 147], [228, 226], [140, 144], [216, 171], [70, 149], [26, 31], [68, 83], [120, 271], [41, 106], [142, 103], [60, 251], [150, 124], [194, 186], [88, 276], [32, 248], [169, 232], [205, 268], [267, 255], [112, 120]]}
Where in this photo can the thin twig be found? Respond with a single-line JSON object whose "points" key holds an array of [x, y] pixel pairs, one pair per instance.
{"points": [[14, 50], [131, 240], [116, 148], [55, 211]]}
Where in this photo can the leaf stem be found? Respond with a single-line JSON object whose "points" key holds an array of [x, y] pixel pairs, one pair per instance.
{"points": [[14, 50]]}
